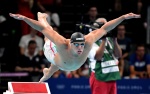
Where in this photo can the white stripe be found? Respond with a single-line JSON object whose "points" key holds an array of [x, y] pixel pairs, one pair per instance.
{"points": [[109, 43], [79, 38], [48, 88], [10, 88], [92, 65], [110, 69], [109, 63]]}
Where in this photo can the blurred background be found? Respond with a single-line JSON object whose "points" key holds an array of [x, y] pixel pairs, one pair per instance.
{"points": [[21, 47]]}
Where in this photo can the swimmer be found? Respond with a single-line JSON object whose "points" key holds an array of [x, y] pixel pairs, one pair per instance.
{"points": [[67, 54]]}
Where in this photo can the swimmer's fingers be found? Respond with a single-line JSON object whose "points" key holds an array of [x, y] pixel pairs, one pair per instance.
{"points": [[131, 15], [17, 16]]}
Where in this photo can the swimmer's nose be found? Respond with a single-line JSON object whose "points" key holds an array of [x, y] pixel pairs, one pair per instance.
{"points": [[79, 47]]}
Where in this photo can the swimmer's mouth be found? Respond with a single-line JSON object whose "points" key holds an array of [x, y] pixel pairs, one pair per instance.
{"points": [[79, 52]]}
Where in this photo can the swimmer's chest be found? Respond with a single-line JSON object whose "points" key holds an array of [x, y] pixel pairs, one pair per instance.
{"points": [[70, 63], [66, 57]]}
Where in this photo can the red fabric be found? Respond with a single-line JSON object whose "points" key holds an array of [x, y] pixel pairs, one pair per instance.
{"points": [[69, 75], [29, 87], [100, 87], [51, 48], [24, 9]]}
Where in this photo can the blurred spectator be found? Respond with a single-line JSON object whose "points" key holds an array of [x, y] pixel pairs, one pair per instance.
{"points": [[140, 8], [36, 6], [104, 66], [92, 15], [140, 63], [30, 63], [139, 25], [116, 9], [23, 44], [124, 43], [53, 7], [103, 60], [24, 9], [30, 8], [56, 7]]}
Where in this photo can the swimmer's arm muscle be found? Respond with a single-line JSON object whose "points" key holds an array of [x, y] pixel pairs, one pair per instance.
{"points": [[54, 36], [46, 30], [97, 34], [43, 27]]}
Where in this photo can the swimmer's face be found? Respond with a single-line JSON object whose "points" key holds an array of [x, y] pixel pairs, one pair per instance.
{"points": [[78, 47]]}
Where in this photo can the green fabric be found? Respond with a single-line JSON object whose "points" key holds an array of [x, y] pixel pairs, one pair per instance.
{"points": [[106, 57], [105, 77]]}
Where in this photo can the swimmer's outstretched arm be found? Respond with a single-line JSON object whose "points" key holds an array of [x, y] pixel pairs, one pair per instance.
{"points": [[43, 27], [97, 34], [33, 23], [48, 72]]}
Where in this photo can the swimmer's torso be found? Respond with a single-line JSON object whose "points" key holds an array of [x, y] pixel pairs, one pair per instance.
{"points": [[66, 61]]}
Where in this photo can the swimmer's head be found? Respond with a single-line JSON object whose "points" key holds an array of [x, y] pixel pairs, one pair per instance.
{"points": [[77, 43], [77, 37]]}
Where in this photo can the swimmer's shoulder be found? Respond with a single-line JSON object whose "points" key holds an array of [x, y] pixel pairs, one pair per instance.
{"points": [[67, 43]]}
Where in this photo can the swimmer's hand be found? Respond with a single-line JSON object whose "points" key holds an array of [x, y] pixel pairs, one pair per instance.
{"points": [[46, 75], [131, 15], [17, 16]]}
